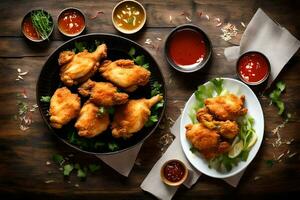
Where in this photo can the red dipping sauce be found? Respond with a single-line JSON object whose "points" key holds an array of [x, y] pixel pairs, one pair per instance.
{"points": [[29, 30], [187, 48], [174, 171], [71, 22], [253, 67]]}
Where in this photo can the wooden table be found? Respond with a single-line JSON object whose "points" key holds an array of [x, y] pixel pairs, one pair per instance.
{"points": [[23, 169]]}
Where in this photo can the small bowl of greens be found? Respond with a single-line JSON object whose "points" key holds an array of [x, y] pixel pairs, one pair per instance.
{"points": [[37, 25]]}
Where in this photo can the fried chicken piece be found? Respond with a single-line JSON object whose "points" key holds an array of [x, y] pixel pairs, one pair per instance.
{"points": [[77, 68], [205, 140], [131, 117], [64, 106], [90, 123], [201, 137], [102, 93], [125, 74], [228, 107], [228, 129]]}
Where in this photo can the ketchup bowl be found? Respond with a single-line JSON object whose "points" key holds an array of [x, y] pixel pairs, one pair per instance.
{"points": [[173, 172], [253, 68], [187, 48]]}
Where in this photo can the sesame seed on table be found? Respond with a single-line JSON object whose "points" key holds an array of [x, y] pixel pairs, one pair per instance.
{"points": [[27, 146]]}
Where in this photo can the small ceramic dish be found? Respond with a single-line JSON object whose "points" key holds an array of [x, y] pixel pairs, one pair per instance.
{"points": [[28, 29], [174, 169], [253, 68], [129, 16], [187, 48], [71, 22]]}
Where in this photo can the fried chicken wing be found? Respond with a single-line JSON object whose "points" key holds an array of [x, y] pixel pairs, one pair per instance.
{"points": [[228, 107], [102, 93], [77, 68], [125, 74], [131, 117], [90, 123], [206, 141], [64, 106], [201, 137], [228, 129]]}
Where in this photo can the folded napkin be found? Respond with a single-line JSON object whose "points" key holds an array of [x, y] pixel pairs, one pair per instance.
{"points": [[153, 183], [268, 37], [122, 162]]}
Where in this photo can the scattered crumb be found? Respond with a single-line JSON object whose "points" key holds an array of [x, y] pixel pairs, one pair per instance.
{"points": [[188, 19], [76, 185], [158, 38], [48, 163], [257, 177], [207, 17], [49, 181], [242, 23], [229, 30], [170, 19]]}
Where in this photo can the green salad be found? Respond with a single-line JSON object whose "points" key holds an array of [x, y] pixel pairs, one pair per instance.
{"points": [[241, 144]]}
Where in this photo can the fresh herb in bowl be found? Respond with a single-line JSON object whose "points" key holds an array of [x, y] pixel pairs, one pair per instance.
{"points": [[37, 25]]}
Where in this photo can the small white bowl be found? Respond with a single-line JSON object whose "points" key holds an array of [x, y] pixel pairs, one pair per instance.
{"points": [[122, 30]]}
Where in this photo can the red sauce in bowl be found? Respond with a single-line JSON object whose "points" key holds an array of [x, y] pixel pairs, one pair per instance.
{"points": [[71, 22], [174, 171], [187, 48], [29, 30], [253, 67]]}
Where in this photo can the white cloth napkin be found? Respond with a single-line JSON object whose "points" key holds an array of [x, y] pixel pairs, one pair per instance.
{"points": [[153, 183], [268, 37], [122, 162]]}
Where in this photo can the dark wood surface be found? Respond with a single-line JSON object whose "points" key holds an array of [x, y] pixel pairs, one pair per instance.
{"points": [[23, 155]]}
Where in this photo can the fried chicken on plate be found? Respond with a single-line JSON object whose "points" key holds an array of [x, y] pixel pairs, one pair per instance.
{"points": [[64, 106], [125, 74], [131, 117], [77, 68], [217, 125], [102, 93], [228, 129], [227, 107], [206, 140], [90, 123]]}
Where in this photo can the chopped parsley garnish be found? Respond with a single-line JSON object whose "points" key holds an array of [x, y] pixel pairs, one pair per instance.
{"points": [[139, 60], [94, 167], [58, 159], [45, 99], [151, 121], [275, 97], [156, 88], [113, 146], [193, 150], [68, 169]]}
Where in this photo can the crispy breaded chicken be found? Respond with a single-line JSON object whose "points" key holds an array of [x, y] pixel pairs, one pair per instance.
{"points": [[201, 137], [102, 93], [206, 141], [64, 106], [227, 107], [77, 68], [125, 74], [131, 117], [90, 123], [228, 129]]}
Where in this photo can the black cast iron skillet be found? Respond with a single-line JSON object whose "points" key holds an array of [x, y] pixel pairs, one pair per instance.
{"points": [[49, 81]]}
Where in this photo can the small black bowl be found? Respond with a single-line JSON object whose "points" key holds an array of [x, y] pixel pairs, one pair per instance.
{"points": [[206, 41], [28, 15], [263, 80]]}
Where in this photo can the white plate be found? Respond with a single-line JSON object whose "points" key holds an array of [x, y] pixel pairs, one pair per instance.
{"points": [[254, 110]]}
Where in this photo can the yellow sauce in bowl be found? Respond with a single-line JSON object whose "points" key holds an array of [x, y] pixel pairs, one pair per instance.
{"points": [[129, 16]]}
